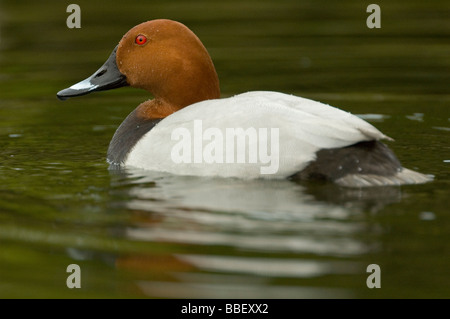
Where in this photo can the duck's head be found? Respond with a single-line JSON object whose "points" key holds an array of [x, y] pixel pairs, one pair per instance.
{"points": [[163, 57]]}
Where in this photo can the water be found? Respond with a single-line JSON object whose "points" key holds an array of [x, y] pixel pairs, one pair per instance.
{"points": [[140, 234]]}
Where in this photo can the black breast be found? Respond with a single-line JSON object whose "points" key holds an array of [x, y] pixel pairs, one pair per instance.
{"points": [[126, 137]]}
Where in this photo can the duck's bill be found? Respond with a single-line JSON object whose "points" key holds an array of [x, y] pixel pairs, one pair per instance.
{"points": [[106, 78]]}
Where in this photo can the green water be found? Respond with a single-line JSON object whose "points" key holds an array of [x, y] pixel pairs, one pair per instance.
{"points": [[136, 234]]}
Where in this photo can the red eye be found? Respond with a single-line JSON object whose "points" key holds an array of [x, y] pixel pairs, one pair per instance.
{"points": [[140, 39]]}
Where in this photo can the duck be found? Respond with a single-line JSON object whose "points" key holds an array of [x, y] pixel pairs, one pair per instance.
{"points": [[188, 129]]}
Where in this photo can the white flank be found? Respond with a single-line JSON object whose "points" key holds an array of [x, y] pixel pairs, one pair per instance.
{"points": [[305, 126]]}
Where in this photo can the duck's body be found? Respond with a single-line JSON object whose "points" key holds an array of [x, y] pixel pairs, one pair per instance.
{"points": [[188, 130]]}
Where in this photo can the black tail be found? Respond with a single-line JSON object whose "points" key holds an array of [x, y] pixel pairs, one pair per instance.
{"points": [[369, 163]]}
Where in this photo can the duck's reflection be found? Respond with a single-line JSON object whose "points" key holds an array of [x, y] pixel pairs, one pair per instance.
{"points": [[260, 199], [210, 237]]}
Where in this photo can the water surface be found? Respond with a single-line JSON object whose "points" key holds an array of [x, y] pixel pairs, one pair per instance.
{"points": [[147, 234]]}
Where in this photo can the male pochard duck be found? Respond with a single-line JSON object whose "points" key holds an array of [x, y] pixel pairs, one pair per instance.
{"points": [[187, 129]]}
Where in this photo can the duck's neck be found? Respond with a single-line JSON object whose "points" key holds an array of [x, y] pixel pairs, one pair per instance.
{"points": [[155, 109], [189, 81], [182, 92]]}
